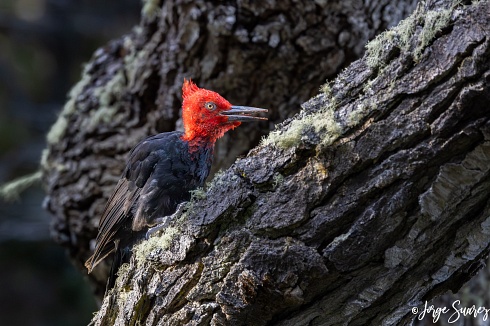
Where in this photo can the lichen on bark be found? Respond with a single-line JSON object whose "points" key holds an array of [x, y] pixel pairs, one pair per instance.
{"points": [[130, 89], [394, 211]]}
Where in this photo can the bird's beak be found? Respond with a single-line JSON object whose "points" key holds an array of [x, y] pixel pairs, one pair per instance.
{"points": [[243, 113]]}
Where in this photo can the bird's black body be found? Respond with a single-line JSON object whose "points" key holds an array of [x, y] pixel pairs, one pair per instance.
{"points": [[160, 172]]}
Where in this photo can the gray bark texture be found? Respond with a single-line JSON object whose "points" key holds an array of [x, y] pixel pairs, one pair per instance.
{"points": [[274, 54], [371, 200]]}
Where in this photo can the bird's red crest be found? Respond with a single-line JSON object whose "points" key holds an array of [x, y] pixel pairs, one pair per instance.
{"points": [[188, 88]]}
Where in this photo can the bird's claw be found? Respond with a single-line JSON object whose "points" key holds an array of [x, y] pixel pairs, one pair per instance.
{"points": [[163, 222], [157, 228]]}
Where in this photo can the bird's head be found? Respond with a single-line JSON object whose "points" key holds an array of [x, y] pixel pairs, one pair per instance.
{"points": [[207, 115]]}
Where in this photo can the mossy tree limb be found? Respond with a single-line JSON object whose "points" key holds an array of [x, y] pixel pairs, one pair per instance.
{"points": [[354, 224], [272, 54]]}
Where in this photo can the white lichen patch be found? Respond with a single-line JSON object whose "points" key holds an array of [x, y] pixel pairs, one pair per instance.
{"points": [[327, 88], [108, 96], [322, 123], [198, 193], [358, 114], [434, 22], [13, 189], [400, 36], [151, 8], [155, 244], [277, 179], [59, 128], [135, 62]]}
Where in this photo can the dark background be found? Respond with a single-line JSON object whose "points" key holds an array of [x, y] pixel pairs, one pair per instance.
{"points": [[43, 44]]}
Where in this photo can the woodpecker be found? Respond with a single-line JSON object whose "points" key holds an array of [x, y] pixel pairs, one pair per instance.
{"points": [[162, 170]]}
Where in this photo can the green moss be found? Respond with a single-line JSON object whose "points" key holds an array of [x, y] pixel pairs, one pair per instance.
{"points": [[323, 123], [44, 157], [361, 111], [58, 129], [159, 242], [108, 97], [151, 8], [140, 311], [357, 115], [401, 36], [13, 189], [277, 179], [376, 48], [368, 86], [285, 139], [103, 114], [404, 31], [327, 88], [198, 193], [133, 60], [123, 270], [435, 21], [46, 165]]}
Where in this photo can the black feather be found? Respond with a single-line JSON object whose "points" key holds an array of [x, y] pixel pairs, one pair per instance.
{"points": [[158, 176]]}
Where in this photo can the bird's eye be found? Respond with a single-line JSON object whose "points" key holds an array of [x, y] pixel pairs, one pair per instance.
{"points": [[210, 106]]}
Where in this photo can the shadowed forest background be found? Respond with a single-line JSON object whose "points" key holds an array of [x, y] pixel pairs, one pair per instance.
{"points": [[43, 44]]}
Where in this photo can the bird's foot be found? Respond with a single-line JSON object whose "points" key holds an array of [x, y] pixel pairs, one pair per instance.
{"points": [[162, 222]]}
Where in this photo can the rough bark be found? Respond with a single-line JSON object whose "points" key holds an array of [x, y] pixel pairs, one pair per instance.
{"points": [[371, 200], [273, 55]]}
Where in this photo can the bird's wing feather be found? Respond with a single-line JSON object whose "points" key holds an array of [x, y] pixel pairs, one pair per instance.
{"points": [[158, 176], [121, 204], [112, 219]]}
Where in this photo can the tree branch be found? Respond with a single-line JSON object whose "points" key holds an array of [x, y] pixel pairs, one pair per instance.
{"points": [[272, 55], [371, 200]]}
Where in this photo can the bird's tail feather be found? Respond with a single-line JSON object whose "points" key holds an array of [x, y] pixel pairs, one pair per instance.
{"points": [[121, 256], [97, 257]]}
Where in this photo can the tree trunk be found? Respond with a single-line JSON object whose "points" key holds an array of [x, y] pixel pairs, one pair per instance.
{"points": [[273, 55], [371, 200]]}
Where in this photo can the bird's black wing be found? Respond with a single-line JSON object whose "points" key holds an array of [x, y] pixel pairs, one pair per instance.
{"points": [[133, 192]]}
